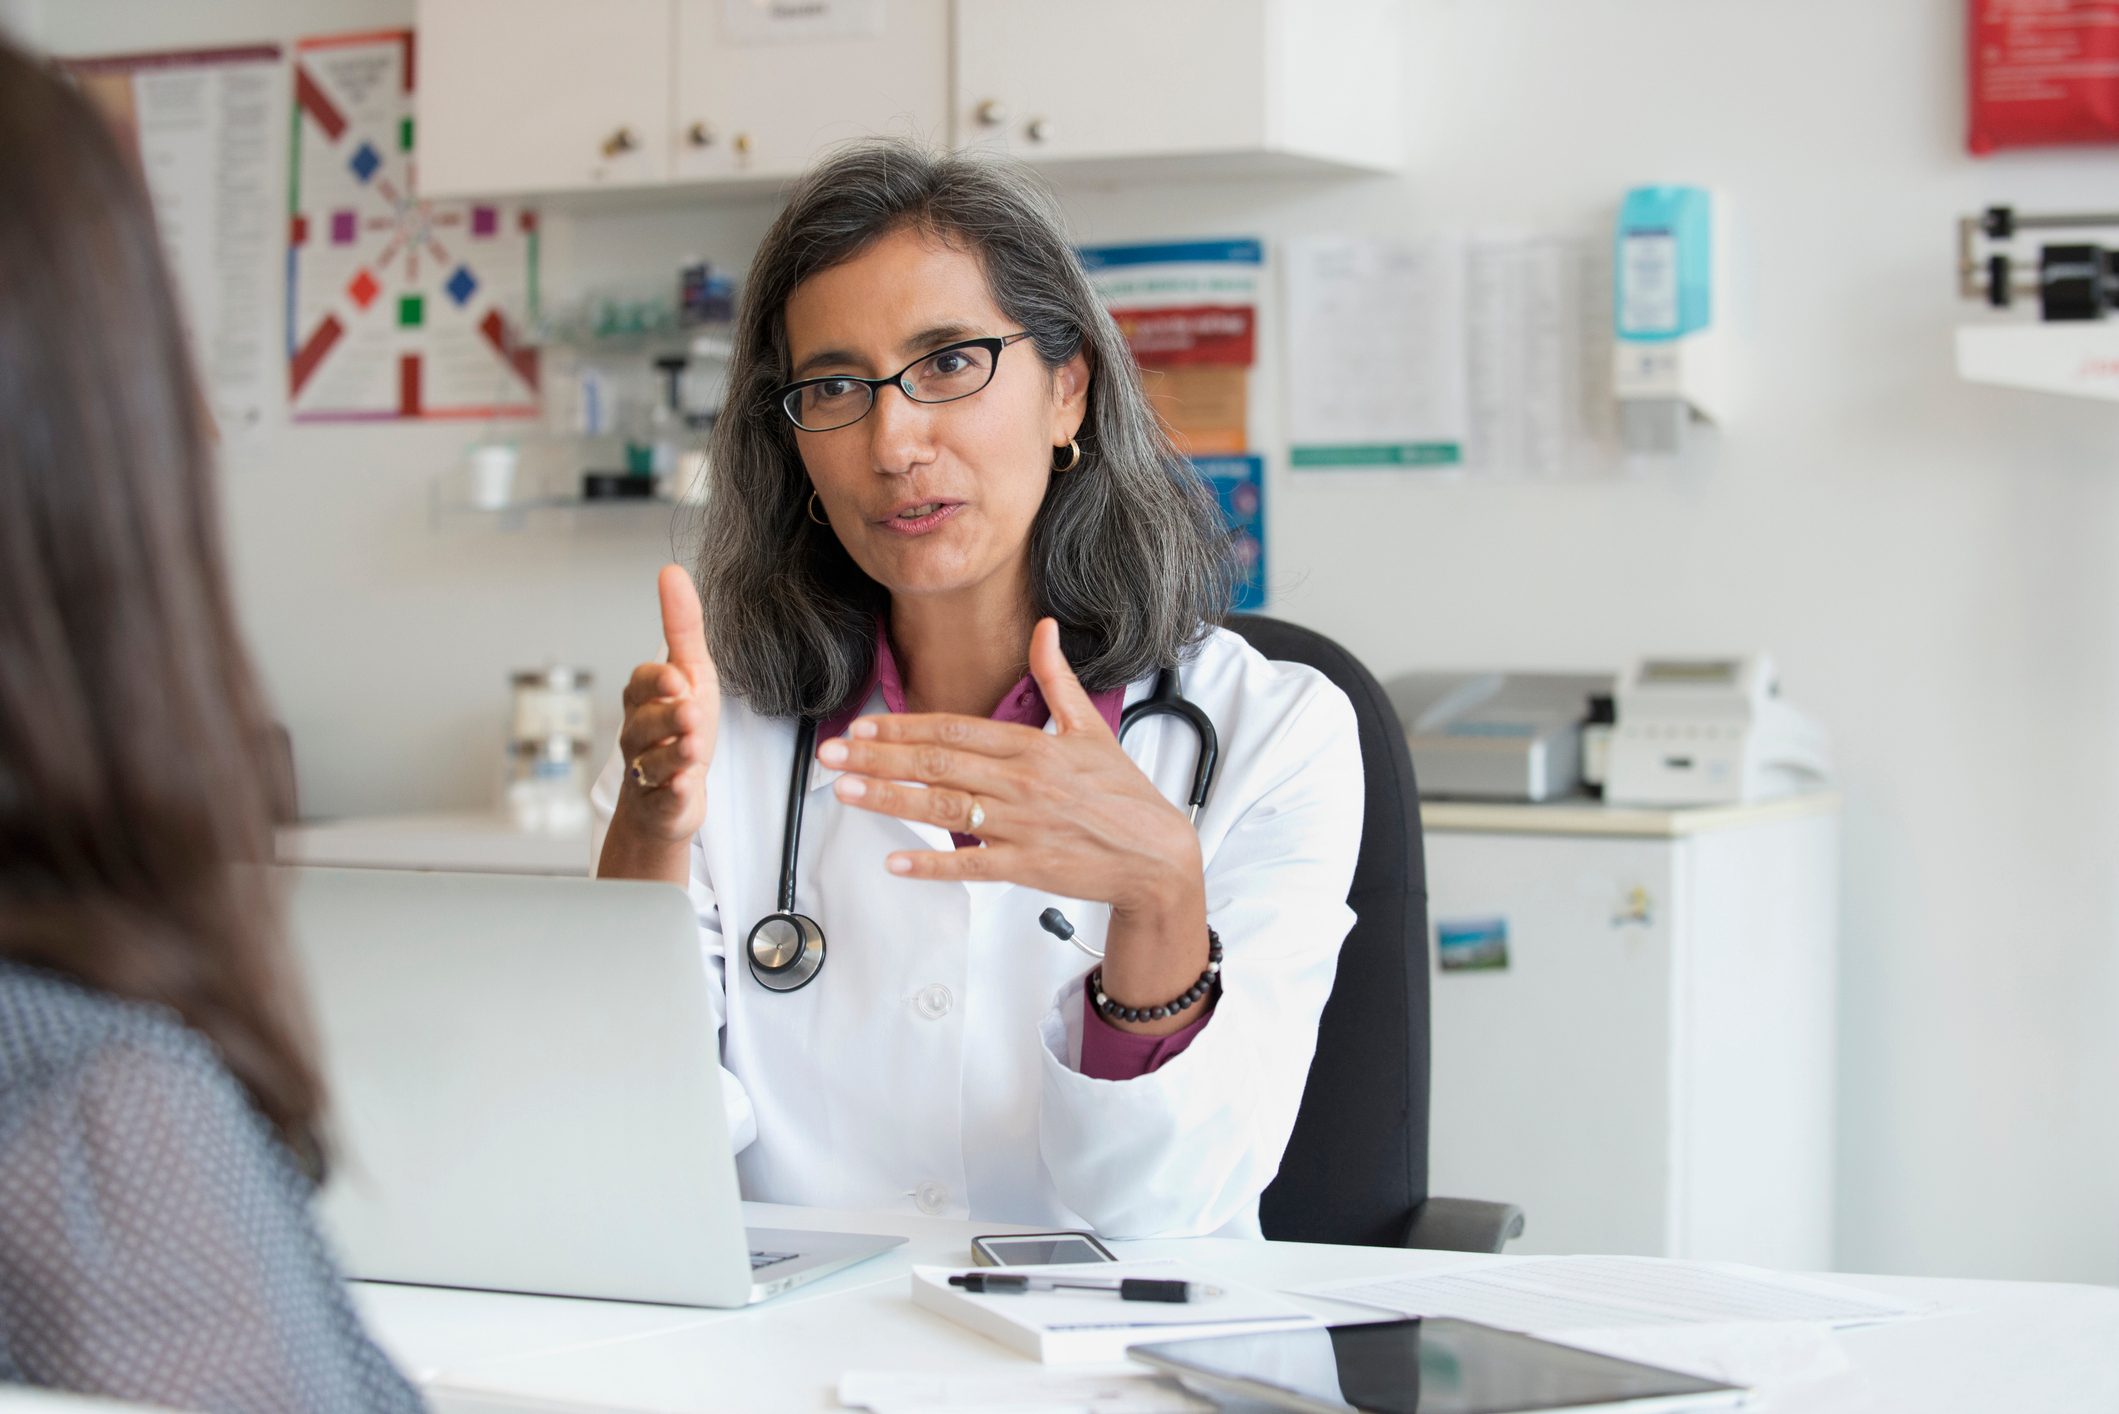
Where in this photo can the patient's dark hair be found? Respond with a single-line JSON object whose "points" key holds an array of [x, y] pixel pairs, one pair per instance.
{"points": [[134, 739]]}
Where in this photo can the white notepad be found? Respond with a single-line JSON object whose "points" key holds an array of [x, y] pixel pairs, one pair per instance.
{"points": [[1077, 1327]]}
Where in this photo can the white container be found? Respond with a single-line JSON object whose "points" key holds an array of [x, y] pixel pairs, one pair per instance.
{"points": [[492, 469]]}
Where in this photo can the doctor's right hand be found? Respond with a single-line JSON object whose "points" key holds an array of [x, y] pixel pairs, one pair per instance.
{"points": [[672, 712]]}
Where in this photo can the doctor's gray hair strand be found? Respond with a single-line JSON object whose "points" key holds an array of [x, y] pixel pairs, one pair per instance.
{"points": [[1128, 551]]}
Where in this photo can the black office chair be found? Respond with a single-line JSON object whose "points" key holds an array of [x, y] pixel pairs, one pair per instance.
{"points": [[1356, 1165]]}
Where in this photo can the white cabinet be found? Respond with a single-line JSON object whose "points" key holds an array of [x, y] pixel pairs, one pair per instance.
{"points": [[1111, 78], [542, 95], [1652, 1070], [560, 96], [750, 107], [1245, 81]]}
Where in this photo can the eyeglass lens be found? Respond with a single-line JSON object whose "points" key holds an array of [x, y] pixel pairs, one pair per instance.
{"points": [[938, 378]]}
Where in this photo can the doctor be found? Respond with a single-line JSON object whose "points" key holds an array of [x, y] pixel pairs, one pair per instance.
{"points": [[946, 526]]}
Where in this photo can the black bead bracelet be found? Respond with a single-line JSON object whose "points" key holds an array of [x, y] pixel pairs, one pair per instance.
{"points": [[1209, 982]]}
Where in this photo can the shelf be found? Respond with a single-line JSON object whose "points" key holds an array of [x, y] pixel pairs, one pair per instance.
{"points": [[1580, 815], [559, 503], [2075, 359]]}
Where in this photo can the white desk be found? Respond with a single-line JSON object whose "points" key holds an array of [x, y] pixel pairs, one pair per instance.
{"points": [[472, 842], [2002, 1346]]}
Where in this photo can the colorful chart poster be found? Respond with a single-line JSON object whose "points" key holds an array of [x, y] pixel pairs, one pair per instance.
{"points": [[1240, 486], [1189, 311], [201, 125], [396, 307]]}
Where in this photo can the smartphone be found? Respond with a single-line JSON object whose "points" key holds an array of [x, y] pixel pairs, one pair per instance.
{"points": [[1037, 1249]]}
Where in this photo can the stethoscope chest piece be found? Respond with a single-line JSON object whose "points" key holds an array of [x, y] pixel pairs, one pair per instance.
{"points": [[786, 951]]}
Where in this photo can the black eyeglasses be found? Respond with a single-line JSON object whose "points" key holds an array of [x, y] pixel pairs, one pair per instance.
{"points": [[825, 404]]}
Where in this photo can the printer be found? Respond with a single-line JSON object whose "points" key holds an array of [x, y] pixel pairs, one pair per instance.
{"points": [[1496, 736], [1710, 731]]}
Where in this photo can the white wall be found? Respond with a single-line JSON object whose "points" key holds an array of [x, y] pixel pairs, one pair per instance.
{"points": [[1932, 562]]}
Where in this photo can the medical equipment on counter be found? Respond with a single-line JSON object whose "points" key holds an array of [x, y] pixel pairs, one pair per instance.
{"points": [[2072, 347], [548, 748], [1669, 316], [786, 949], [1710, 731], [1496, 736]]}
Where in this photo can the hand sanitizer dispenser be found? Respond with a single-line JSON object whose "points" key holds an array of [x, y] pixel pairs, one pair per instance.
{"points": [[1669, 317]]}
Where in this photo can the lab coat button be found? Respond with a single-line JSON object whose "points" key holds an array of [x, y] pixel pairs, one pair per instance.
{"points": [[934, 1001], [931, 1197]]}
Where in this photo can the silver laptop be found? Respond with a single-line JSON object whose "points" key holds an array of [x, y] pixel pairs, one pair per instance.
{"points": [[525, 1091]]}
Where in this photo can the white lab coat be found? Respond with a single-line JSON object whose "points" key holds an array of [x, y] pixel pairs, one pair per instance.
{"points": [[932, 1066]]}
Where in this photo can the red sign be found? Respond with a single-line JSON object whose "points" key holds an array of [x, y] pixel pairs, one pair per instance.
{"points": [[1204, 334], [2042, 72]]}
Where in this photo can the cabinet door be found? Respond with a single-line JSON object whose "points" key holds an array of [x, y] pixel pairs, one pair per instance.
{"points": [[542, 95], [1111, 78], [1553, 1075], [761, 94]]}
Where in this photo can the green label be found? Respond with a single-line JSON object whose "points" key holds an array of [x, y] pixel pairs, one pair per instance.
{"points": [[1380, 454]]}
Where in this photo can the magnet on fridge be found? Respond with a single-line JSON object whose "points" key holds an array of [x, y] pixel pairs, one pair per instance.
{"points": [[1472, 944]]}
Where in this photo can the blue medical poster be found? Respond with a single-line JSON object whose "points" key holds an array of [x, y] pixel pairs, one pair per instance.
{"points": [[1240, 486]]}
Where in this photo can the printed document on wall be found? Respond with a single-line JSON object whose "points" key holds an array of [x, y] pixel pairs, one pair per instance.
{"points": [[204, 125], [1538, 346], [1375, 345], [397, 307], [1189, 311]]}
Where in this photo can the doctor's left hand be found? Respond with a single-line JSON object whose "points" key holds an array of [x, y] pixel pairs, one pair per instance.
{"points": [[1065, 812]]}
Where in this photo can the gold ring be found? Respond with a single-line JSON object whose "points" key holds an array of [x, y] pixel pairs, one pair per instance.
{"points": [[640, 775], [978, 817]]}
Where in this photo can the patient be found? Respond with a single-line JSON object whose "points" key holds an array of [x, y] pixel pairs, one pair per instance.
{"points": [[158, 1109]]}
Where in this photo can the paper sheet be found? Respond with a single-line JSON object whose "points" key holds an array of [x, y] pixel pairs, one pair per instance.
{"points": [[203, 125], [1542, 1296], [1014, 1392], [1756, 1355], [1539, 357], [1375, 353]]}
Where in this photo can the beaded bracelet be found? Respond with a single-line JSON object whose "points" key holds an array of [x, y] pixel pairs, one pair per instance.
{"points": [[1209, 981]]}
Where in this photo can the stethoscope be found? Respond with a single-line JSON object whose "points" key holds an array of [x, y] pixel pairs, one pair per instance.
{"points": [[786, 948]]}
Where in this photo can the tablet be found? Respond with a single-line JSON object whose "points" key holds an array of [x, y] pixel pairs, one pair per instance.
{"points": [[1430, 1366]]}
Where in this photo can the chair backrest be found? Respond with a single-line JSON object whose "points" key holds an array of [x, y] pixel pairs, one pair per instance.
{"points": [[1356, 1164]]}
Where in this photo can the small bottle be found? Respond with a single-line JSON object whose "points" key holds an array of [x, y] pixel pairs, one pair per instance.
{"points": [[1596, 741]]}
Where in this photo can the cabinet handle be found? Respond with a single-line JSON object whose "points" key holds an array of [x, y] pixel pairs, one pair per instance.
{"points": [[743, 144], [991, 113], [1037, 129], [622, 140], [699, 135]]}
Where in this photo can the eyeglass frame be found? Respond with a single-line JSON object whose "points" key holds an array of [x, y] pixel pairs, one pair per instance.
{"points": [[994, 342]]}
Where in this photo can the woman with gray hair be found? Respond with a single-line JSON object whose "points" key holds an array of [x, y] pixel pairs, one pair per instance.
{"points": [[947, 545]]}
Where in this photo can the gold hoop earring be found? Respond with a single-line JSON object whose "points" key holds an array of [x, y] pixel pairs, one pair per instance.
{"points": [[813, 512], [1074, 456]]}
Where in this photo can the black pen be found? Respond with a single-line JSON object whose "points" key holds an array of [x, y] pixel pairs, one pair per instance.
{"points": [[1129, 1289]]}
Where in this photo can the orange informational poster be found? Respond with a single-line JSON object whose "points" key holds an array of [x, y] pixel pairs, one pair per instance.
{"points": [[1189, 311], [1204, 407], [2042, 73]]}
